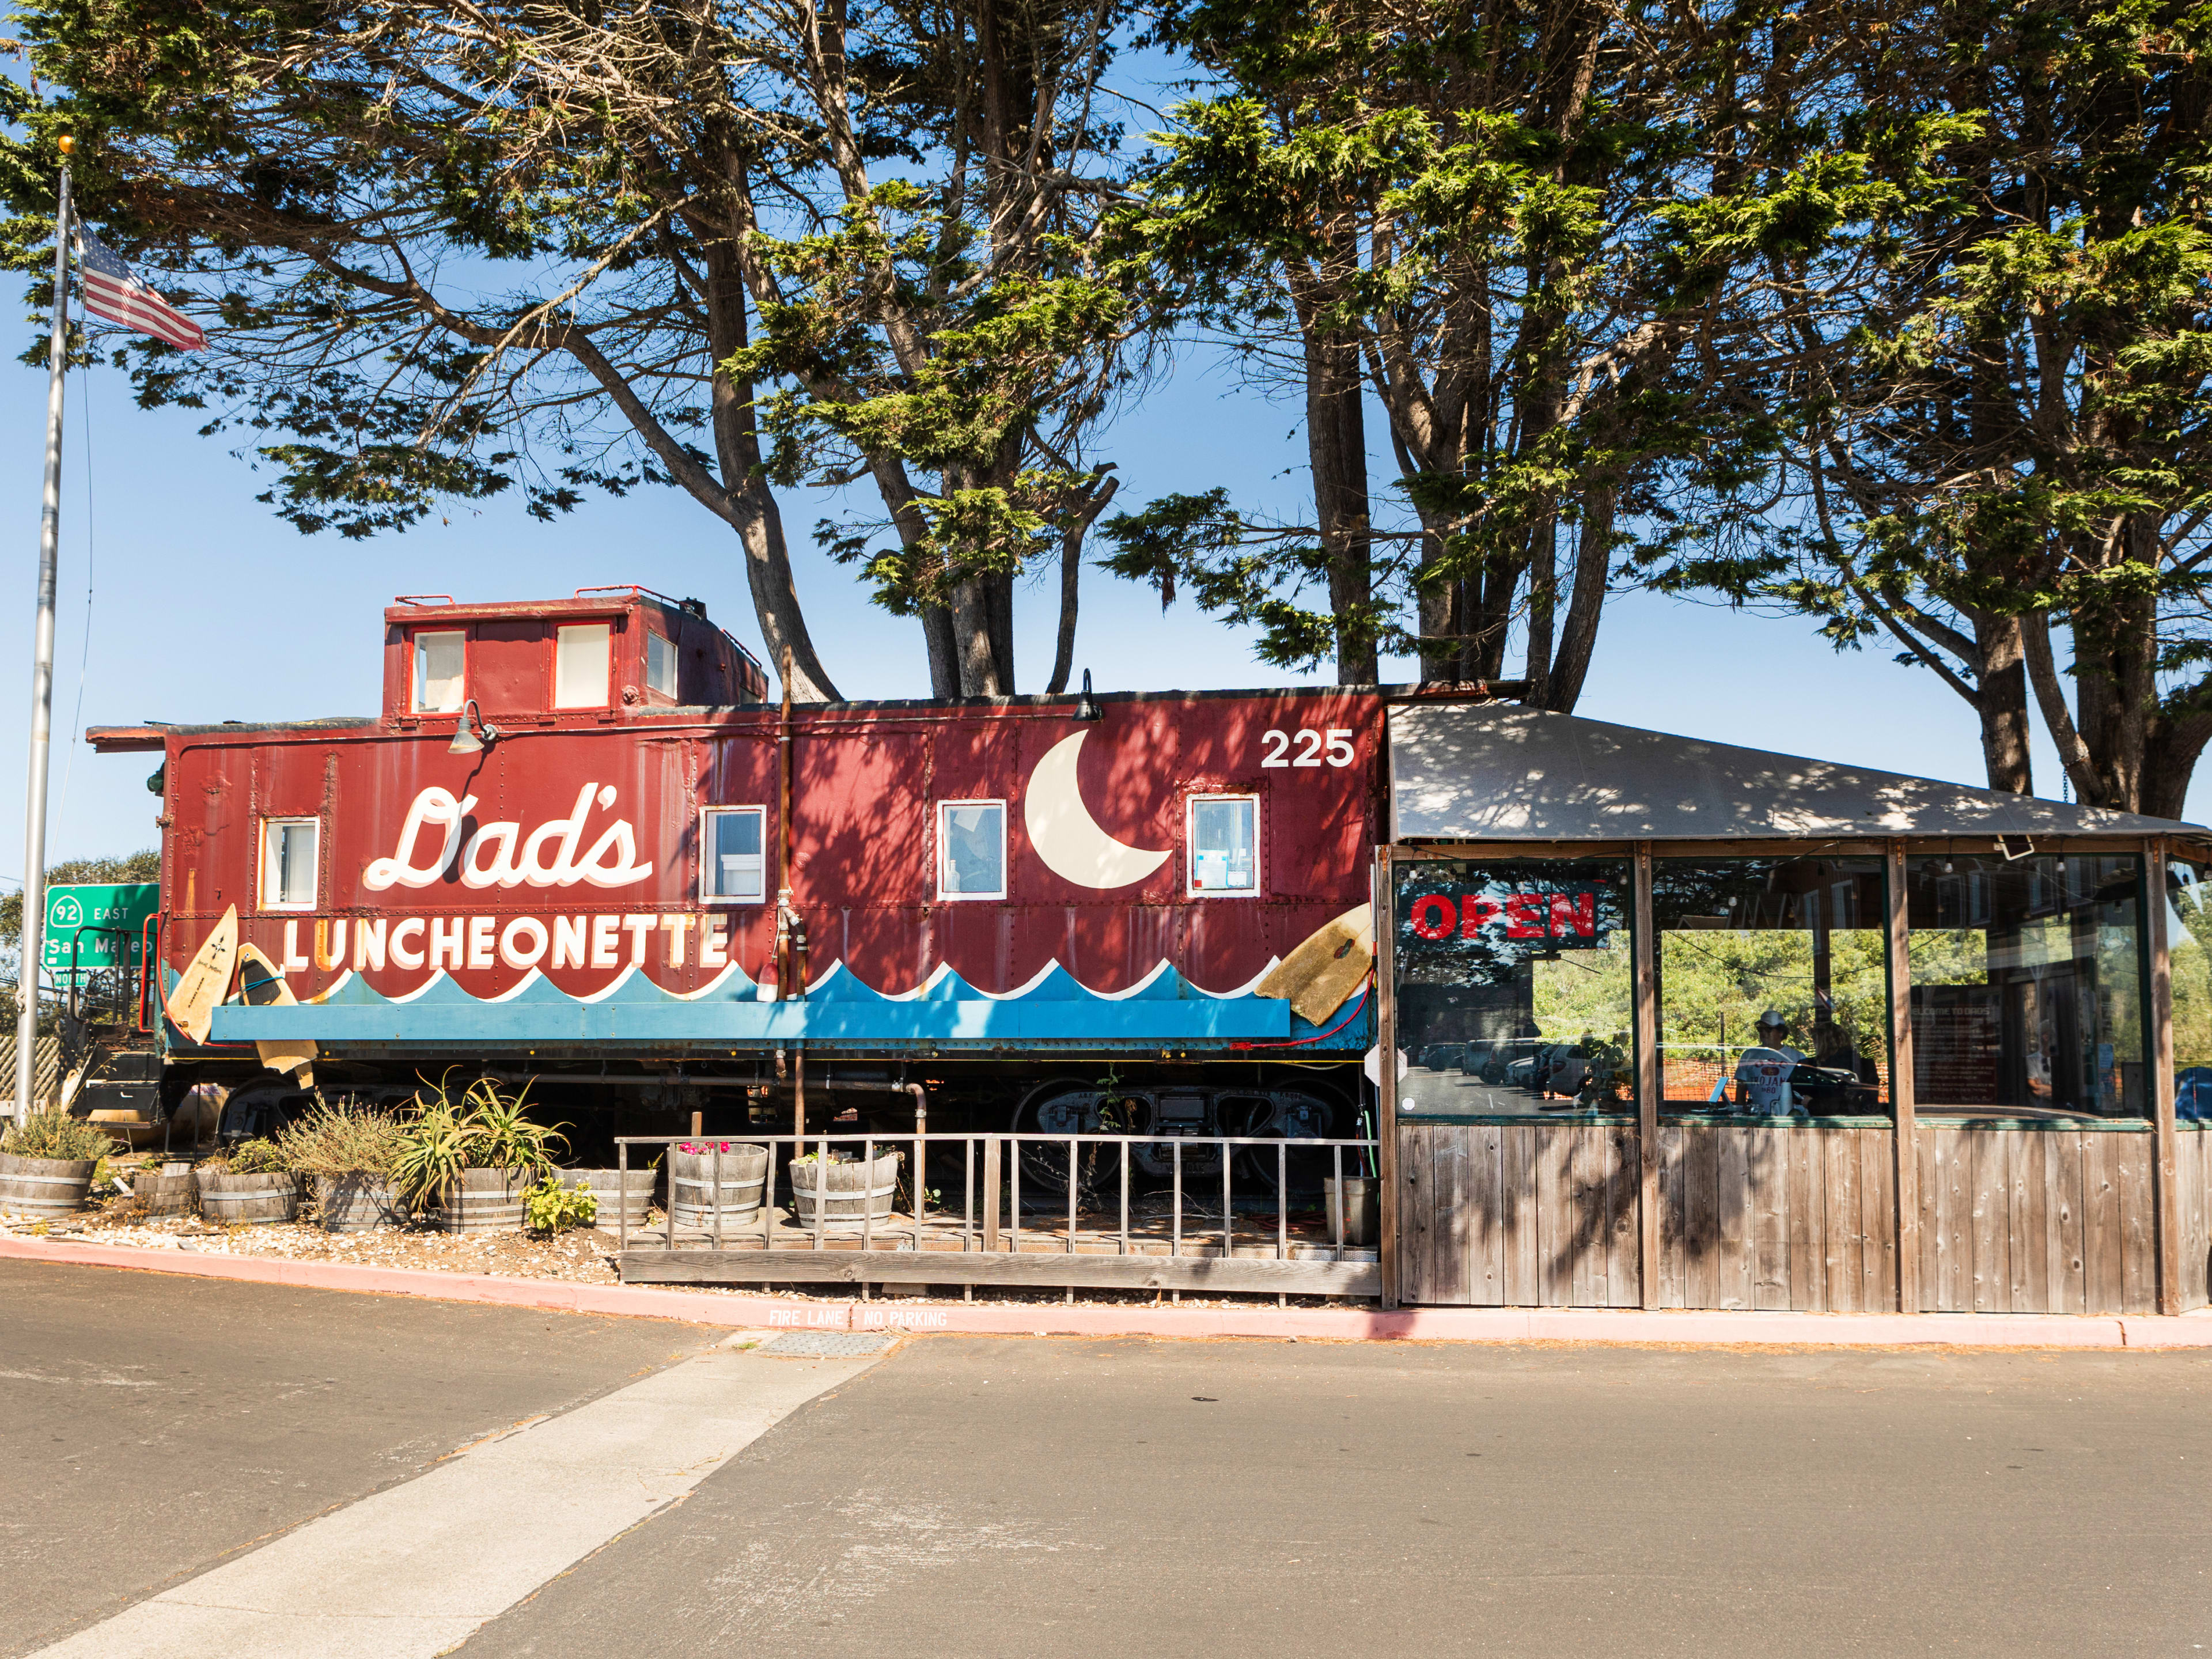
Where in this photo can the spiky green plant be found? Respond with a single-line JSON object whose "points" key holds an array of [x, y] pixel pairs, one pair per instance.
{"points": [[57, 1135]]}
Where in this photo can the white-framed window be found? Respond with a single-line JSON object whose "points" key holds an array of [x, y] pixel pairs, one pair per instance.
{"points": [[582, 653], [732, 856], [1223, 835], [441, 684], [971, 849], [660, 664], [288, 847]]}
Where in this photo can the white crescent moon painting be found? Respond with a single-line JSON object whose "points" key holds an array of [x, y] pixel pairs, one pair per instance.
{"points": [[1067, 838]]}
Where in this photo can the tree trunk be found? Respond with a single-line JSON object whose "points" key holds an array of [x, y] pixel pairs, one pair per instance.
{"points": [[1336, 449], [1585, 602], [760, 521], [944, 653], [971, 640], [1071, 585], [2001, 681]]}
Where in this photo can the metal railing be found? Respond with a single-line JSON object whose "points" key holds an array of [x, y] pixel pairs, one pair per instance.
{"points": [[1098, 1182]]}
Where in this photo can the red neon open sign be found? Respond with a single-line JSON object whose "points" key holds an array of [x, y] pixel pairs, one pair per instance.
{"points": [[1566, 917]]}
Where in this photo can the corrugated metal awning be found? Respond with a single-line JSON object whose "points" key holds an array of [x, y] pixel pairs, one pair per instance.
{"points": [[1496, 771]]}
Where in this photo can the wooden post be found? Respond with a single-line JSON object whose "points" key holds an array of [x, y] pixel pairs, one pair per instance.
{"points": [[1383, 897], [2166, 1192], [1650, 1079], [991, 1194], [1905, 1139]]}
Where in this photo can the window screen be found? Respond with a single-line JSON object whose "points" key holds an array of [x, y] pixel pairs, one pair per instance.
{"points": [[659, 664], [1225, 837], [288, 864], [580, 666], [438, 687], [733, 869], [971, 838]]}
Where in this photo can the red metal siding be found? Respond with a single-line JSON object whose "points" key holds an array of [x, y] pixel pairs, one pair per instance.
{"points": [[866, 782]]}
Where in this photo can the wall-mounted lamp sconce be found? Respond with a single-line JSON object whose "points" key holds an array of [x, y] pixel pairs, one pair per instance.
{"points": [[474, 733], [1087, 708]]}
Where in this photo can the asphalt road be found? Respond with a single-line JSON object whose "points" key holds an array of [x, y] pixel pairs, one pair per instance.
{"points": [[156, 1425], [1038, 1499]]}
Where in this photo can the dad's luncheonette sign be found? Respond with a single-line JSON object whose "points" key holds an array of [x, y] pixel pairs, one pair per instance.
{"points": [[1556, 915]]}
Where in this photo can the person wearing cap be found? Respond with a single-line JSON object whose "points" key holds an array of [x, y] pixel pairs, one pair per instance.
{"points": [[1762, 1073]]}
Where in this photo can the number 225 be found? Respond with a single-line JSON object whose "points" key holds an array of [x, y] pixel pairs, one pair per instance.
{"points": [[1277, 745]]}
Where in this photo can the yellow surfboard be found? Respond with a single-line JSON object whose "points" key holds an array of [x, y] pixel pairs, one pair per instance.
{"points": [[261, 985], [1327, 967], [206, 980]]}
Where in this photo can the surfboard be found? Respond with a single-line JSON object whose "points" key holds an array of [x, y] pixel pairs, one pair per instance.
{"points": [[206, 980], [261, 986], [1326, 968]]}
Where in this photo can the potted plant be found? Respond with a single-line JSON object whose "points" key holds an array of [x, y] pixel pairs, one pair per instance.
{"points": [[554, 1207], [251, 1183], [692, 1199], [350, 1152], [465, 1160], [47, 1161], [614, 1191], [847, 1190]]}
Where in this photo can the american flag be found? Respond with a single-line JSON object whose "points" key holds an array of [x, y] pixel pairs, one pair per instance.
{"points": [[114, 296]]}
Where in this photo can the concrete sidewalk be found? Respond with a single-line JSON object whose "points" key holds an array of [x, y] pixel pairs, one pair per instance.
{"points": [[1626, 1326]]}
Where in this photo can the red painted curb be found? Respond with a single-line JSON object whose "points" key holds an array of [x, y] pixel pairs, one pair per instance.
{"points": [[1621, 1326]]}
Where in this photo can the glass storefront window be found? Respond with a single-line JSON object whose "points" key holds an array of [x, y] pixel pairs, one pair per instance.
{"points": [[1773, 987], [2189, 946], [1514, 986], [2027, 984]]}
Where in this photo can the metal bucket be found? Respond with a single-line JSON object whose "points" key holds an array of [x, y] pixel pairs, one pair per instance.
{"points": [[356, 1204], [485, 1201], [44, 1186], [849, 1192], [253, 1199], [1357, 1203], [692, 1200], [614, 1199]]}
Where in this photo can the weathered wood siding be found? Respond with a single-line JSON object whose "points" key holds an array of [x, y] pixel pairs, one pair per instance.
{"points": [[1789, 1217], [2193, 1193], [2036, 1221], [1518, 1215]]}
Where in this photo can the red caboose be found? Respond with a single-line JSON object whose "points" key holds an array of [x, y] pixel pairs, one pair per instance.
{"points": [[578, 844]]}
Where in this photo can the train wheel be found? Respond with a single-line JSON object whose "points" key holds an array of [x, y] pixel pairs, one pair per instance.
{"points": [[1291, 1115], [1075, 1106]]}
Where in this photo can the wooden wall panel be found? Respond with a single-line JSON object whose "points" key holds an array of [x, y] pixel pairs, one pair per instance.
{"points": [[1793, 1216], [1540, 1215], [2193, 1193]]}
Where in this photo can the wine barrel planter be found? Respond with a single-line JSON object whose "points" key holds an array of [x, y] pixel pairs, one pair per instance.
{"points": [[166, 1191], [614, 1197], [44, 1186], [256, 1200], [692, 1201], [485, 1201], [849, 1192], [358, 1204]]}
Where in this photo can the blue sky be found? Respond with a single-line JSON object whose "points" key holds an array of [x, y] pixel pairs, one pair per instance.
{"points": [[206, 607]]}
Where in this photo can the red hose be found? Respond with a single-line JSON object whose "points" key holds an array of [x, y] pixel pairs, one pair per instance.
{"points": [[1300, 1042]]}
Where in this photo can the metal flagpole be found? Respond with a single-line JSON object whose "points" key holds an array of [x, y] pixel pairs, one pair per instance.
{"points": [[42, 676]]}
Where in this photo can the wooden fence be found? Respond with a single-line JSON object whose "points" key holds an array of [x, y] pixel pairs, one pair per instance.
{"points": [[48, 1076]]}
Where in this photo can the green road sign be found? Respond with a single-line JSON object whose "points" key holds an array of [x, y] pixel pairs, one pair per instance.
{"points": [[110, 917]]}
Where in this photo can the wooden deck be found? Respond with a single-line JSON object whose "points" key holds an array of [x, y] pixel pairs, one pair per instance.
{"points": [[1042, 1251]]}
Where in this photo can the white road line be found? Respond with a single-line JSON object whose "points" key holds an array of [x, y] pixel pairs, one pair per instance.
{"points": [[412, 1570]]}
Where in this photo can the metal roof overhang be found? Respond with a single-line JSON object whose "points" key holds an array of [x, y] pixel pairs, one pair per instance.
{"points": [[1497, 772]]}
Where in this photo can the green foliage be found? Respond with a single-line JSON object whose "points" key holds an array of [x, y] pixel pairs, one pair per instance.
{"points": [[137, 868], [551, 1207], [58, 1134], [261, 1156], [341, 1138], [478, 1127]]}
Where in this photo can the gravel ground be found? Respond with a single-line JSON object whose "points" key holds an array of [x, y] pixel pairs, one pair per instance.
{"points": [[585, 1256]]}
